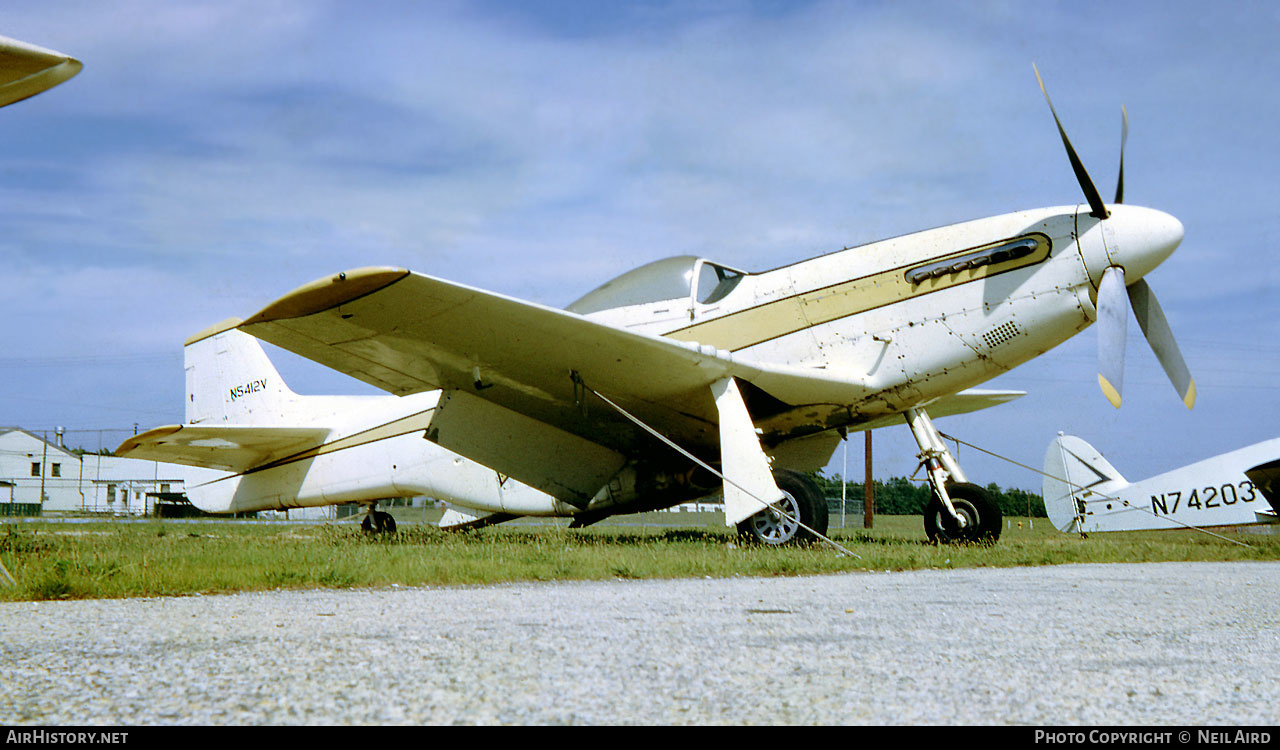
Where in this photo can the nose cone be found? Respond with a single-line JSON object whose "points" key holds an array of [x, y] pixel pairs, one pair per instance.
{"points": [[1139, 239]]}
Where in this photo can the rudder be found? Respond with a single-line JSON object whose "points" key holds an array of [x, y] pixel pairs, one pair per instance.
{"points": [[1075, 470]]}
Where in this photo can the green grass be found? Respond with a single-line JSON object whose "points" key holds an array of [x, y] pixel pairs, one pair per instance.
{"points": [[158, 558]]}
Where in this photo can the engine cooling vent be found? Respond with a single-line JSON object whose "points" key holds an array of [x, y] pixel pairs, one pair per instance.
{"points": [[1001, 334]]}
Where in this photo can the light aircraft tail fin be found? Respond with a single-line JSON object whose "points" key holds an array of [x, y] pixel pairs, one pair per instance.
{"points": [[1075, 471], [230, 380]]}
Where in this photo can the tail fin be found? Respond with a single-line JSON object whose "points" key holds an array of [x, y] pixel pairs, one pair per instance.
{"points": [[1075, 471], [230, 380]]}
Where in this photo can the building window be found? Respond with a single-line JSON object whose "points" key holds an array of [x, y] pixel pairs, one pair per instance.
{"points": [[56, 470], [35, 468]]}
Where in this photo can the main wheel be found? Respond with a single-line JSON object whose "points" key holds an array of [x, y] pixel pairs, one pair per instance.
{"points": [[801, 500], [378, 522], [973, 504]]}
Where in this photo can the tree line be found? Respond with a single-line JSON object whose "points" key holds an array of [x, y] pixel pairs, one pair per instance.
{"points": [[901, 496]]}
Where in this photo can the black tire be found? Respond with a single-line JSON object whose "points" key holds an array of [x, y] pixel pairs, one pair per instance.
{"points": [[803, 500], [983, 516], [388, 523], [378, 522]]}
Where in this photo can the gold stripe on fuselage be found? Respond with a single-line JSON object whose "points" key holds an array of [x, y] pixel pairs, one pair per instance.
{"points": [[755, 325]]}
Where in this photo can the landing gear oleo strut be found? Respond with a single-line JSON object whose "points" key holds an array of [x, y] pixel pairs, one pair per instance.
{"points": [[957, 511]]}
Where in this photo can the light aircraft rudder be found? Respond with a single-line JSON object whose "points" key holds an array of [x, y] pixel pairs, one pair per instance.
{"points": [[1075, 470]]}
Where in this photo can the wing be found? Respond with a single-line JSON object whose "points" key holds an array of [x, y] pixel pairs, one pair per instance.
{"points": [[26, 70], [1266, 477], [405, 332], [229, 448], [521, 381], [963, 402]]}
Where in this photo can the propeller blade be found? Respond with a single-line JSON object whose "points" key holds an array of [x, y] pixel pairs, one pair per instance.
{"points": [[1124, 137], [1113, 325], [1099, 209], [1156, 328]]}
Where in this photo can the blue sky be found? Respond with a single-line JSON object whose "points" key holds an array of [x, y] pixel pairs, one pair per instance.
{"points": [[215, 155]]}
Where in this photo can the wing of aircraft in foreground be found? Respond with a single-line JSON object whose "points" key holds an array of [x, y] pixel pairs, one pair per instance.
{"points": [[409, 333], [1084, 493], [26, 70]]}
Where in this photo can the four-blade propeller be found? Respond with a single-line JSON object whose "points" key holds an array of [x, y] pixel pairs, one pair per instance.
{"points": [[1116, 296]]}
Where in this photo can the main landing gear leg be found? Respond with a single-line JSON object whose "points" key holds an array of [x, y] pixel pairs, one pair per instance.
{"points": [[958, 511]]}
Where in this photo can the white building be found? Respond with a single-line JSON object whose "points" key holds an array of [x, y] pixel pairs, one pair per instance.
{"points": [[36, 471]]}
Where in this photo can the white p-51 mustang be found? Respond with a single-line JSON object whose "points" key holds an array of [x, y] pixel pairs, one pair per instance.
{"points": [[680, 379]]}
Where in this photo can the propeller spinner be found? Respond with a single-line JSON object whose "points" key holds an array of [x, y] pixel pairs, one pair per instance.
{"points": [[1145, 238]]}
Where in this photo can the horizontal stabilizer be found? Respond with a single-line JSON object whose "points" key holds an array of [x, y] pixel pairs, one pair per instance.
{"points": [[229, 448], [463, 519]]}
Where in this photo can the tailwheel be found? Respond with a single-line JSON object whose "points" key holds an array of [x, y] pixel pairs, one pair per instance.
{"points": [[377, 522], [981, 516], [802, 501]]}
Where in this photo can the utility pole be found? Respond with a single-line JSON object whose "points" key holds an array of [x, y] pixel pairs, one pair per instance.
{"points": [[44, 459], [844, 476], [869, 501]]}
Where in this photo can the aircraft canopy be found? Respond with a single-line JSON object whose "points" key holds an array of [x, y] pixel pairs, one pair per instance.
{"points": [[681, 277]]}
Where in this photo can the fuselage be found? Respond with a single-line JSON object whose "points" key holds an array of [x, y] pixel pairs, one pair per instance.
{"points": [[375, 450], [1215, 492]]}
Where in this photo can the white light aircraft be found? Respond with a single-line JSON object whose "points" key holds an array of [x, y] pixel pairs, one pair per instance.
{"points": [[1084, 493], [675, 381]]}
